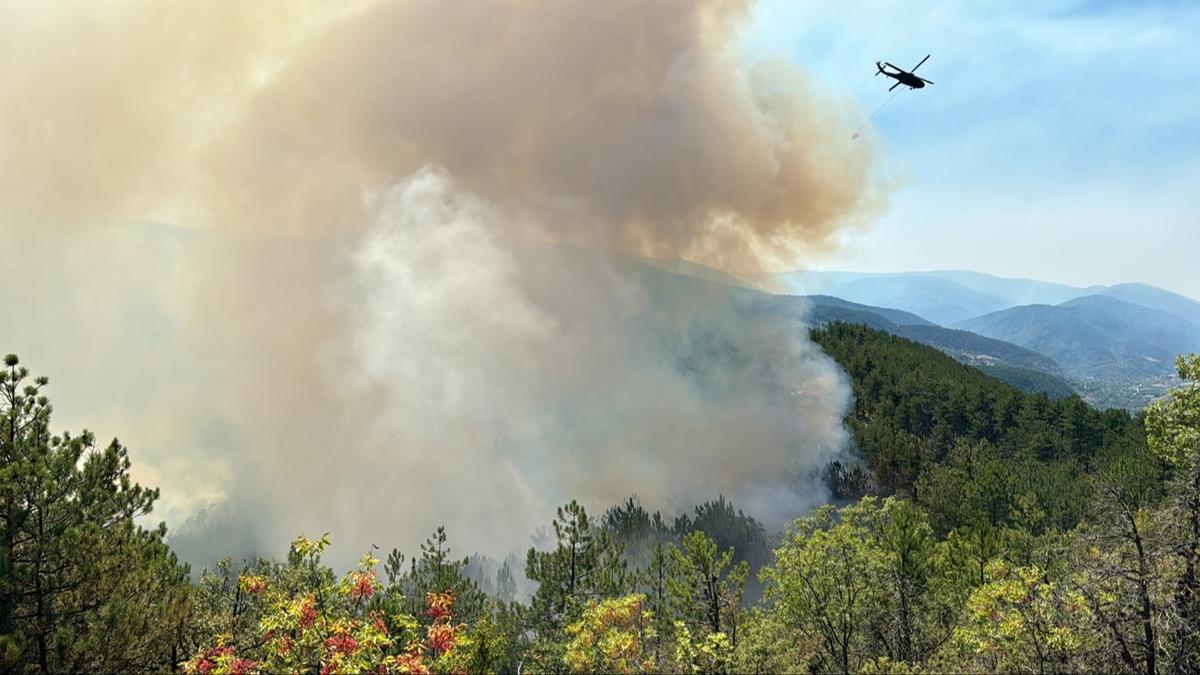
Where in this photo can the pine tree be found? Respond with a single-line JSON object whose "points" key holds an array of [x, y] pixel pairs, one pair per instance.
{"points": [[655, 583], [82, 586], [706, 586], [435, 571], [506, 583], [586, 563]]}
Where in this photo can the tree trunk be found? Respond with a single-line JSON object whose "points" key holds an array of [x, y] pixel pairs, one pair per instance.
{"points": [[714, 603], [43, 616], [8, 572], [1146, 611], [8, 592]]}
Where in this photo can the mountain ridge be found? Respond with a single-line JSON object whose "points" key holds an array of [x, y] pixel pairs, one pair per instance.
{"points": [[1013, 290], [1093, 333]]}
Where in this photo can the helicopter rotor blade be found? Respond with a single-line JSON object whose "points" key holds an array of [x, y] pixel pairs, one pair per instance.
{"points": [[924, 80], [919, 64]]}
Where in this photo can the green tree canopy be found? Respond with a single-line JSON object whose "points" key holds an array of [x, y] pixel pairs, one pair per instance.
{"points": [[82, 585]]}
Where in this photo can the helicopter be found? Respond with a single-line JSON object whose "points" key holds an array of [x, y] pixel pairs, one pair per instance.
{"points": [[902, 76]]}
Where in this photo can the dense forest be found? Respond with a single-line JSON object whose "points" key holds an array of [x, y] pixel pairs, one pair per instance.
{"points": [[976, 528]]}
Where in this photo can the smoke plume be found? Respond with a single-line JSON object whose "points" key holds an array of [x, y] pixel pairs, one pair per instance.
{"points": [[402, 298]]}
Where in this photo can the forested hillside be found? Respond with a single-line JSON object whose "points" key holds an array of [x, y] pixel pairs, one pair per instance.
{"points": [[991, 530], [925, 423]]}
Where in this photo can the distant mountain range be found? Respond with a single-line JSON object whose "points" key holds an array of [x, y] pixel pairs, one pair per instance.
{"points": [[939, 300], [1115, 345], [946, 297], [1095, 335], [1157, 298], [941, 296]]}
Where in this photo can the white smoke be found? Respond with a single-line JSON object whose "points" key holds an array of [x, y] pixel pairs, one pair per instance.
{"points": [[491, 380]]}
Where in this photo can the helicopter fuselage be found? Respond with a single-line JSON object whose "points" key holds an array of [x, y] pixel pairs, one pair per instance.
{"points": [[905, 77]]}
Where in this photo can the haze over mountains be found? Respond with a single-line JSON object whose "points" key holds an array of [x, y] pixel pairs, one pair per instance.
{"points": [[1093, 335], [948, 296], [1114, 345]]}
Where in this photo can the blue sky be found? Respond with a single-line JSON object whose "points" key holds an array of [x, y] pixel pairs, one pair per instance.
{"points": [[1059, 142]]}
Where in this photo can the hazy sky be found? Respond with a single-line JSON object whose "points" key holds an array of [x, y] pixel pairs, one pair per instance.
{"points": [[1059, 142]]}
